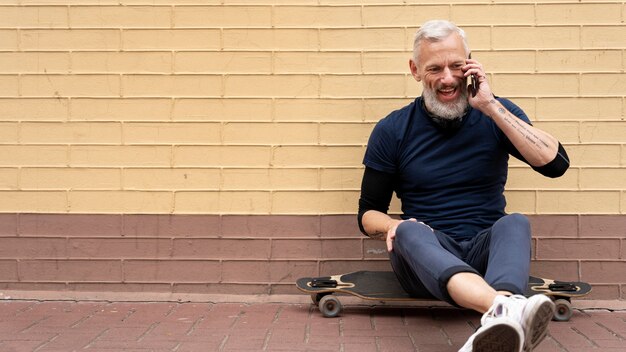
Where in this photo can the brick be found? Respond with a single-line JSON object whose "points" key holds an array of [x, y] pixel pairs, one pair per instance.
{"points": [[33, 155], [603, 225], [9, 132], [121, 62], [222, 249], [271, 226], [342, 248], [585, 155], [363, 39], [69, 179], [317, 16], [33, 17], [566, 132], [8, 224], [225, 202], [8, 271], [339, 226], [9, 178], [272, 179], [271, 86], [22, 62], [345, 133], [408, 15], [253, 109], [31, 248], [506, 61], [171, 271], [291, 270], [325, 202], [563, 270], [577, 14], [85, 109], [171, 85], [171, 179], [70, 133], [120, 16], [603, 271], [344, 156], [548, 37], [120, 201], [369, 85], [69, 39], [222, 16], [587, 108], [507, 14], [319, 110], [270, 133], [171, 225], [385, 62], [222, 156], [589, 202], [578, 249], [296, 249], [535, 85], [118, 248], [317, 62], [521, 202], [70, 270], [341, 179], [68, 225], [528, 179], [8, 40], [223, 61], [376, 109], [172, 133], [9, 86], [603, 178], [116, 156], [170, 39], [603, 37], [24, 109], [554, 225], [70, 85], [579, 60], [270, 39], [603, 84], [245, 271]]}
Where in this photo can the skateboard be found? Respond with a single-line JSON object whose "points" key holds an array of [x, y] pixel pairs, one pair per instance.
{"points": [[384, 286]]}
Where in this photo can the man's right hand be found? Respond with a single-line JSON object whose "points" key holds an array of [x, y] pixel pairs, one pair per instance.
{"points": [[391, 232]]}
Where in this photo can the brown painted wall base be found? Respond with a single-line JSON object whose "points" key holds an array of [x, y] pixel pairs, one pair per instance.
{"points": [[232, 254]]}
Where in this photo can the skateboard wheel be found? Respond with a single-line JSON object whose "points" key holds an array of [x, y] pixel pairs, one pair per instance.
{"points": [[563, 310], [330, 306]]}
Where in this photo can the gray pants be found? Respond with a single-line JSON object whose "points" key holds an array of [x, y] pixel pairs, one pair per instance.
{"points": [[424, 260]]}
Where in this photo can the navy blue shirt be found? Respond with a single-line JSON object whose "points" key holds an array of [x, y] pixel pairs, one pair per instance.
{"points": [[452, 181]]}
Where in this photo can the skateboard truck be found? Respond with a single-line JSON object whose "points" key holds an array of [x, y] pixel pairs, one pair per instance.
{"points": [[562, 286], [325, 282]]}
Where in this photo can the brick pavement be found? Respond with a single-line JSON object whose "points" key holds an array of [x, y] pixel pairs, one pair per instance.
{"points": [[167, 326]]}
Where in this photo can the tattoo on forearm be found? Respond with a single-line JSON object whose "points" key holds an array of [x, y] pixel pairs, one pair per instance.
{"points": [[522, 128]]}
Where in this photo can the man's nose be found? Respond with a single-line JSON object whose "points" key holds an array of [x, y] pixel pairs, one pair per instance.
{"points": [[447, 76]]}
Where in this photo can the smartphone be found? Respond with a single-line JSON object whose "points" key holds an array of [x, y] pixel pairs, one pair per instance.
{"points": [[473, 81]]}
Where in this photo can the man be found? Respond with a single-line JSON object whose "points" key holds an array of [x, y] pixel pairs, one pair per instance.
{"points": [[446, 157]]}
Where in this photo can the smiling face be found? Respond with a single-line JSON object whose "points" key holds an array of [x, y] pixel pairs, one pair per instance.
{"points": [[439, 70]]}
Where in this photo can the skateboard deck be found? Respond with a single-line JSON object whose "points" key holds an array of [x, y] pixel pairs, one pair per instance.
{"points": [[384, 286]]}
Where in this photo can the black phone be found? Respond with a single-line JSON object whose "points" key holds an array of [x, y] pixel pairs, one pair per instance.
{"points": [[473, 81]]}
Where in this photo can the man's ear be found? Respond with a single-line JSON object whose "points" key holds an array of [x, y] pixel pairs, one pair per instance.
{"points": [[414, 71]]}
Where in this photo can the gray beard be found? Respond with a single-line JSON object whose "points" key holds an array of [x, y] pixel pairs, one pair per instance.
{"points": [[448, 111]]}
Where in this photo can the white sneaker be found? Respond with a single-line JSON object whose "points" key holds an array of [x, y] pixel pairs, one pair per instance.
{"points": [[533, 314], [501, 334]]}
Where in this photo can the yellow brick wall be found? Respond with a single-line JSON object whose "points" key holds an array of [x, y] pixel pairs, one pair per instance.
{"points": [[265, 106]]}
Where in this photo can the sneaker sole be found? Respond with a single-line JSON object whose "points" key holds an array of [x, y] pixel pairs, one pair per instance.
{"points": [[498, 338], [537, 327]]}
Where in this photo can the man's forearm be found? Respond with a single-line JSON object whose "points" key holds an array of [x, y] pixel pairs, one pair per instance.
{"points": [[377, 224], [536, 146]]}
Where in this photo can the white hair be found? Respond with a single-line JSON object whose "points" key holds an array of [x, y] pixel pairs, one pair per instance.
{"points": [[435, 31]]}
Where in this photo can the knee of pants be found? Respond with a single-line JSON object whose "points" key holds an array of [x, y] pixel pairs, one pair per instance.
{"points": [[408, 230], [513, 225]]}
